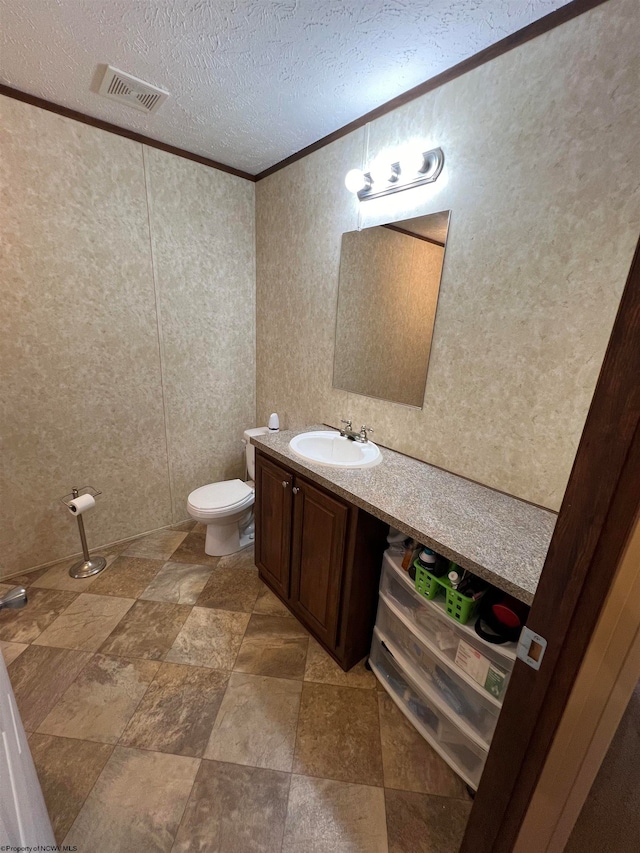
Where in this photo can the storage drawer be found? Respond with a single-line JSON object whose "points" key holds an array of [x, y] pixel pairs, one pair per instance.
{"points": [[418, 609], [467, 704], [489, 665], [459, 751]]}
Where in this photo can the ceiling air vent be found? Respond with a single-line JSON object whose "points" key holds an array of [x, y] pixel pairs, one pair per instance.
{"points": [[121, 87]]}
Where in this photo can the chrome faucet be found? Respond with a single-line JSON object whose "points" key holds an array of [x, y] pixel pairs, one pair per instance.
{"points": [[364, 429], [347, 431]]}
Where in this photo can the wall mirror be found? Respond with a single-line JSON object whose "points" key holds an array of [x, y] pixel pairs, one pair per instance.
{"points": [[387, 299]]}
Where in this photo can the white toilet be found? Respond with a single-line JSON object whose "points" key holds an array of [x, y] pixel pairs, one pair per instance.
{"points": [[227, 507]]}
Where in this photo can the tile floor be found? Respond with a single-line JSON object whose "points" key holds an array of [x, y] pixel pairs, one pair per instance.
{"points": [[174, 704]]}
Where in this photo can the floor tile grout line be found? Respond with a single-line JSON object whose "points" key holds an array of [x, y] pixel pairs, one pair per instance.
{"points": [[53, 707], [386, 813], [75, 649], [113, 746], [126, 725], [426, 794], [71, 683], [379, 705], [235, 660], [186, 802], [286, 814], [295, 742], [386, 816], [44, 591], [342, 686], [307, 775]]}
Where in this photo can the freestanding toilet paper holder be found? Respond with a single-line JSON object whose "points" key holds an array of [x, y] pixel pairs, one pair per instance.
{"points": [[90, 565]]}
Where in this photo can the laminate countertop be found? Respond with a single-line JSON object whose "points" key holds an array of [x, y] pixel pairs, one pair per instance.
{"points": [[498, 537]]}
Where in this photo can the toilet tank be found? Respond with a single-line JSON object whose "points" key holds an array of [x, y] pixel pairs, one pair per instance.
{"points": [[250, 450]]}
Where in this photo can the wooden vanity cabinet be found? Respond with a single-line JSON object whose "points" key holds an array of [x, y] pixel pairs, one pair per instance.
{"points": [[321, 555]]}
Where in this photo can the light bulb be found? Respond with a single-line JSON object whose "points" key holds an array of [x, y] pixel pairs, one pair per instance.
{"points": [[382, 173], [356, 180], [412, 163]]}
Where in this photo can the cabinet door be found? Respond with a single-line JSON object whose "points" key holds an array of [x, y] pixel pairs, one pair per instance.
{"points": [[319, 540], [273, 523]]}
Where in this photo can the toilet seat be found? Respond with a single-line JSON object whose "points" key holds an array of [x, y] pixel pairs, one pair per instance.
{"points": [[219, 499]]}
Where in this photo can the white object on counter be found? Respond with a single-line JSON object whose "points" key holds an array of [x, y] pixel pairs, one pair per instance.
{"points": [[274, 422]]}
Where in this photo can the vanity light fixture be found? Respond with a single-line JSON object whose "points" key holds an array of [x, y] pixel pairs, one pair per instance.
{"points": [[384, 173], [412, 162], [356, 181], [412, 170]]}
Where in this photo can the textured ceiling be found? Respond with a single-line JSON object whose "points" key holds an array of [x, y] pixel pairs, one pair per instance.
{"points": [[251, 81]]}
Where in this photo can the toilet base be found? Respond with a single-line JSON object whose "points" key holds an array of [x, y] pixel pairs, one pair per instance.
{"points": [[225, 539]]}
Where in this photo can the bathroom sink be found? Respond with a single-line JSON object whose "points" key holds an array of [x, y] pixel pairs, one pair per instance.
{"points": [[330, 448]]}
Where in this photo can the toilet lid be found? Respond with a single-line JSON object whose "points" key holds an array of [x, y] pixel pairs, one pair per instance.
{"points": [[228, 493]]}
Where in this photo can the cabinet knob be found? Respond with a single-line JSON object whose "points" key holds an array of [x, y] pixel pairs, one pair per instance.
{"points": [[295, 490], [285, 483]]}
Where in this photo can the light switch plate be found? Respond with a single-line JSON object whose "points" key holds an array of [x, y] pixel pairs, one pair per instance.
{"points": [[531, 648]]}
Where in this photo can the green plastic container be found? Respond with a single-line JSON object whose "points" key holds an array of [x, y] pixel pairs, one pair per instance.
{"points": [[426, 583], [457, 606]]}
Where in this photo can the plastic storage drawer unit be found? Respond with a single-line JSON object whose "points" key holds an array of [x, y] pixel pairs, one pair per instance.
{"points": [[460, 698], [458, 643], [461, 752]]}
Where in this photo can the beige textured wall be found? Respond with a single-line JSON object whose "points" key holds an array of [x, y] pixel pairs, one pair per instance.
{"points": [[202, 233], [90, 339], [387, 300], [541, 176]]}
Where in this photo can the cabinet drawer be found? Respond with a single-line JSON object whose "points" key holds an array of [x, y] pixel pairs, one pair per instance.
{"points": [[464, 701], [431, 621], [459, 751]]}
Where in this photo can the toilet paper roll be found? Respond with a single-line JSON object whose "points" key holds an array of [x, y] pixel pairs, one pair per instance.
{"points": [[81, 504]]}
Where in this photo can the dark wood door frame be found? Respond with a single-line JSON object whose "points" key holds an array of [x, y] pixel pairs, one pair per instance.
{"points": [[600, 506]]}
